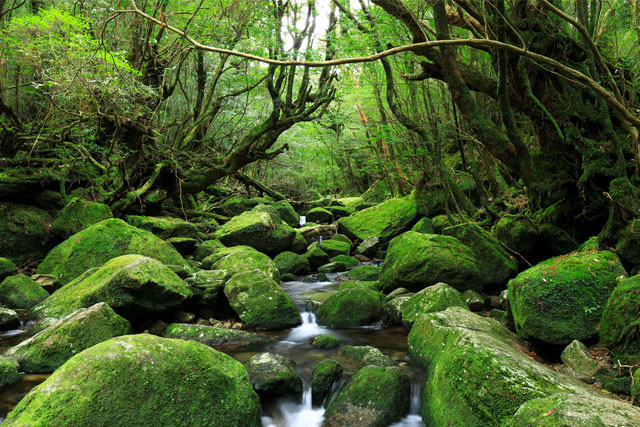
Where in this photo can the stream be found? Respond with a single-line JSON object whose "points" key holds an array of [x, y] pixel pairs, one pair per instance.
{"points": [[293, 343]]}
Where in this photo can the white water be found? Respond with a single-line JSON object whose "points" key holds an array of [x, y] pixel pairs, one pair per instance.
{"points": [[307, 330], [303, 220], [296, 414]]}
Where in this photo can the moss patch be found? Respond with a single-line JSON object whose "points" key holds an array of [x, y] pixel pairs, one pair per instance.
{"points": [[20, 291], [77, 215], [214, 337], [351, 307]]}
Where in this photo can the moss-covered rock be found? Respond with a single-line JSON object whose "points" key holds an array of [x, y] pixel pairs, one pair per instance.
{"points": [[340, 211], [184, 245], [335, 247], [440, 222], [473, 299], [260, 302], [8, 319], [222, 252], [496, 265], [20, 291], [8, 371], [143, 380], [384, 221], [207, 287], [365, 273], [616, 380], [291, 263], [374, 396], [416, 261], [348, 261], [332, 267], [7, 268], [620, 322], [324, 375], [213, 336], [286, 213], [369, 247], [77, 215], [566, 409], [364, 355], [562, 299], [206, 248], [576, 356], [299, 245], [351, 307], [238, 204], [261, 228], [274, 375], [319, 216], [519, 234], [434, 298], [24, 232], [359, 284], [99, 243], [393, 308], [478, 375], [325, 341], [48, 350], [556, 240], [423, 226], [244, 261], [316, 256], [133, 285]]}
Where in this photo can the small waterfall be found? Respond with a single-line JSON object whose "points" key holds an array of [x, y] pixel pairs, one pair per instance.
{"points": [[307, 330], [303, 220], [413, 419], [292, 414]]}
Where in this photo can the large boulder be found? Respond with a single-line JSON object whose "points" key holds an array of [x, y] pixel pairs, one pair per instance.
{"points": [[375, 396], [478, 373], [7, 268], [274, 375], [20, 291], [319, 216], [99, 243], [49, 349], [324, 375], [143, 380], [77, 215], [260, 302], [496, 265], [261, 228], [291, 263], [519, 233], [214, 337], [334, 248], [222, 252], [24, 232], [164, 227], [364, 273], [133, 285], [359, 356], [416, 261], [244, 261], [207, 287], [562, 299], [620, 320], [8, 371], [238, 204], [286, 212], [351, 307], [384, 221], [434, 298], [316, 256]]}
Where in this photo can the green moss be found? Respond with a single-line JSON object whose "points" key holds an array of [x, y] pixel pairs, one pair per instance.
{"points": [[274, 375], [20, 291], [221, 252], [340, 211], [517, 232], [77, 215], [316, 256], [206, 248], [291, 263], [99, 243], [335, 247], [7, 268], [84, 328], [332, 267], [434, 298], [562, 299], [8, 372], [164, 227], [243, 261], [369, 247], [324, 375], [342, 238], [576, 356], [473, 299], [359, 284], [365, 273], [385, 221], [423, 226], [347, 261], [374, 396], [351, 307], [286, 213], [628, 245], [133, 285], [238, 204], [207, 287], [24, 232], [214, 337], [364, 355], [143, 380], [261, 228], [299, 245], [260, 302], [415, 261], [319, 216], [620, 323], [440, 222], [8, 319], [325, 341]]}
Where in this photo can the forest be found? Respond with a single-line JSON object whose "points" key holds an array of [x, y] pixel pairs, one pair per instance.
{"points": [[312, 213]]}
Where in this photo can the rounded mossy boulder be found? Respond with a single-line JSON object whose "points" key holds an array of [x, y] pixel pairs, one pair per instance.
{"points": [[206, 248], [21, 292], [8, 319], [423, 226], [364, 273], [351, 307], [291, 263], [7, 268], [143, 380], [334, 248], [24, 232], [332, 267], [519, 233], [496, 265], [207, 287], [325, 341], [364, 355], [620, 322], [299, 245], [340, 211], [416, 261], [359, 284], [213, 336], [347, 261], [260, 302], [243, 261], [434, 298], [8, 371], [49, 349], [375, 396], [324, 375], [319, 216], [286, 213], [77, 215], [135, 286], [222, 252], [393, 308], [274, 375], [164, 227], [384, 221], [261, 228], [99, 243], [316, 256], [562, 298]]}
